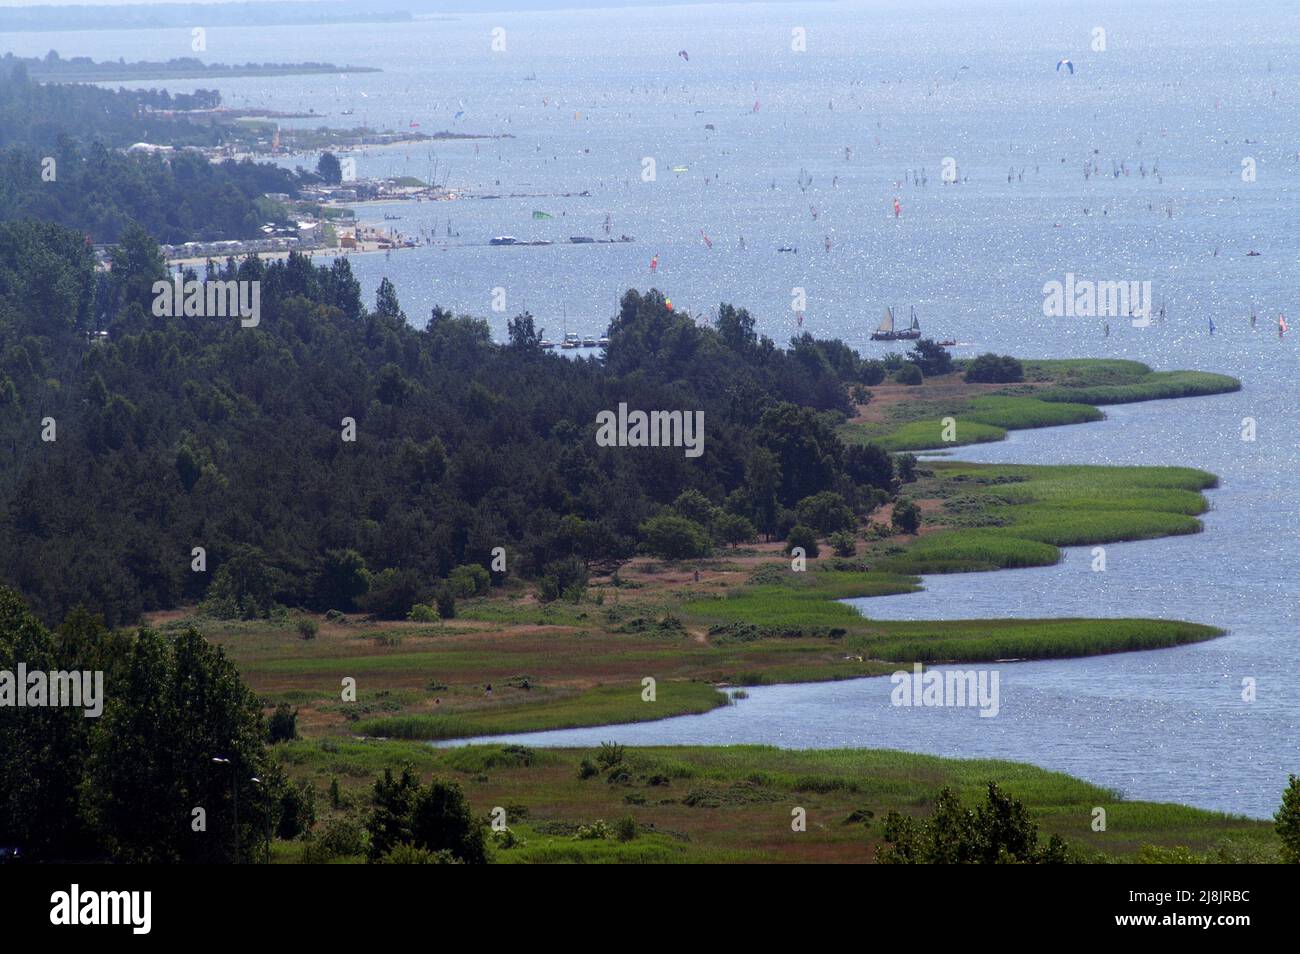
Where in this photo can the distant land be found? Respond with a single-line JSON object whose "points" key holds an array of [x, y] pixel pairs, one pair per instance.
{"points": [[146, 16], [82, 69]]}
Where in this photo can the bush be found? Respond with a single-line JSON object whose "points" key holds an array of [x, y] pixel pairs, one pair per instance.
{"points": [[844, 543], [243, 586], [626, 829], [869, 465], [730, 529], [909, 374], [997, 832], [283, 724], [446, 602], [598, 830], [422, 613], [672, 537], [907, 517], [392, 593], [337, 838], [610, 754], [297, 810], [801, 536], [825, 512], [404, 854], [994, 369], [905, 464], [308, 628], [565, 579], [931, 358], [470, 580], [436, 818]]}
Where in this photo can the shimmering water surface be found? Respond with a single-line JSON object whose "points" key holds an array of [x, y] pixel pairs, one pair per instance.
{"points": [[1184, 91]]}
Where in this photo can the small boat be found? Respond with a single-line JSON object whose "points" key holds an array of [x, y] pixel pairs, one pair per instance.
{"points": [[886, 332], [948, 343], [786, 248], [581, 239], [504, 240], [571, 341], [546, 345], [589, 341], [602, 342]]}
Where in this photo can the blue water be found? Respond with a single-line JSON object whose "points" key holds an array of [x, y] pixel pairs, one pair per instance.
{"points": [[1188, 88]]}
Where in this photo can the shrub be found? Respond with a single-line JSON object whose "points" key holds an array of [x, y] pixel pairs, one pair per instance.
{"points": [[446, 601], [907, 517], [997, 832], [626, 829], [563, 578], [308, 628], [825, 512], [869, 464], [672, 537], [422, 613], [283, 724], [470, 580], [905, 464], [931, 358], [404, 854], [844, 543], [801, 536], [392, 593], [297, 810], [909, 374], [435, 818], [338, 837], [610, 754], [598, 830], [730, 529], [994, 369], [243, 586]]}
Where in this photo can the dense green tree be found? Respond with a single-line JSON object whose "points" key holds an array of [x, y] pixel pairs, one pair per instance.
{"points": [[931, 357], [1287, 822], [329, 168], [671, 537]]}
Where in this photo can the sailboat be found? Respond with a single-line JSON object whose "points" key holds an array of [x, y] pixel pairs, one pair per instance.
{"points": [[886, 330]]}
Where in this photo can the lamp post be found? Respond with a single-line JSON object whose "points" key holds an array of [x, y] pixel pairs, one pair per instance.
{"points": [[234, 785]]}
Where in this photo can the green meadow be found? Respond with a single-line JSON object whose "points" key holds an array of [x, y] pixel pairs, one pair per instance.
{"points": [[720, 804], [1054, 393]]}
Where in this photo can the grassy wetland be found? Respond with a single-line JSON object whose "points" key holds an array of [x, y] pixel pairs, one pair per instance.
{"points": [[704, 629]]}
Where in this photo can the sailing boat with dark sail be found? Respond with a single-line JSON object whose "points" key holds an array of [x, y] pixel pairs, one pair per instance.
{"points": [[886, 331]]}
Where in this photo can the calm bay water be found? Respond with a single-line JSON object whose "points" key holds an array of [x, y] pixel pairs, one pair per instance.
{"points": [[1184, 92]]}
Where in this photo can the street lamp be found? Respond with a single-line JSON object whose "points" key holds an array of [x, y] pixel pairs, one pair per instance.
{"points": [[234, 785]]}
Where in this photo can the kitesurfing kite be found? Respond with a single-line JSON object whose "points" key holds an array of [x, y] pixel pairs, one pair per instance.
{"points": [[1061, 63], [684, 55]]}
